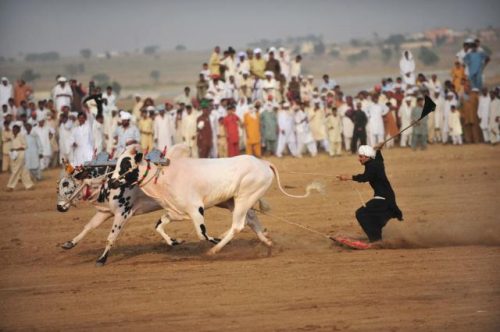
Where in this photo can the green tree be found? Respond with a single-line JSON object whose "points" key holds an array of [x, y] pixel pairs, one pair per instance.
{"points": [[155, 75], [29, 75], [180, 48], [427, 56], [86, 53], [100, 79]]}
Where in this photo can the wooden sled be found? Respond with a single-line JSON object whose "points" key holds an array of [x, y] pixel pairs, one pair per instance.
{"points": [[350, 243]]}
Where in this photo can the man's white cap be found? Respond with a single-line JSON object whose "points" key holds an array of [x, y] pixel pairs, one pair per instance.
{"points": [[4, 79], [272, 49], [241, 54], [282, 49], [317, 101], [40, 117], [150, 108], [437, 89], [75, 114], [62, 79], [137, 95], [475, 90], [269, 73], [469, 40], [125, 115], [17, 123], [257, 51], [367, 151], [245, 72], [310, 76], [286, 104]]}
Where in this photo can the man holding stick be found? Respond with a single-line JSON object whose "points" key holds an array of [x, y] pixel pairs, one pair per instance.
{"points": [[373, 215]]}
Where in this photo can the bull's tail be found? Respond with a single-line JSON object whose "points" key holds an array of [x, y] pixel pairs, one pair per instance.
{"points": [[315, 185]]}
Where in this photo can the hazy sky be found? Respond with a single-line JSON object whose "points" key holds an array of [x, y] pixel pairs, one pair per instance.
{"points": [[68, 26]]}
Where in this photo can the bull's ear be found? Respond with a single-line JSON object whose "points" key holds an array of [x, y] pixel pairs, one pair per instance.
{"points": [[138, 157]]}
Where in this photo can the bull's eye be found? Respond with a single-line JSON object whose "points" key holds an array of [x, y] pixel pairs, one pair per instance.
{"points": [[65, 184]]}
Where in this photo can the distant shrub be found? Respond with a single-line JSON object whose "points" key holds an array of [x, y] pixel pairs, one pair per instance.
{"points": [[86, 53], [427, 56], [46, 56]]}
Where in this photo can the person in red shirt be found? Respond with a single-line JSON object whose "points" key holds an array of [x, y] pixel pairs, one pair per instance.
{"points": [[232, 124]]}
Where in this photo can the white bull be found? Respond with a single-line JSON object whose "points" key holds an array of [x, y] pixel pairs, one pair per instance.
{"points": [[187, 187]]}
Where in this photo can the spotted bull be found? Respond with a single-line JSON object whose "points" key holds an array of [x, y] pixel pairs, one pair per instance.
{"points": [[187, 187]]}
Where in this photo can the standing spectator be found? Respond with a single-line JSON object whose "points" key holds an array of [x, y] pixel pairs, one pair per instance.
{"points": [[407, 68], [163, 130], [296, 67], [359, 131], [138, 107], [273, 65], [221, 139], [334, 127], [376, 112], [251, 122], [419, 137], [6, 143], [258, 64], [201, 87], [78, 94], [188, 129], [204, 131], [405, 118], [286, 127], [455, 126], [34, 153], [232, 124], [145, 124], [328, 84], [269, 128], [98, 133], [494, 121], [17, 160], [304, 136], [284, 60], [62, 94], [476, 61], [458, 75], [81, 140], [45, 134], [65, 127], [483, 111], [345, 112], [22, 91], [126, 134], [185, 97], [6, 91], [109, 98], [469, 103], [316, 119], [214, 62]]}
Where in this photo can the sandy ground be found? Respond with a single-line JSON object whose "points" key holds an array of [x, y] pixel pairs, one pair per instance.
{"points": [[442, 271]]}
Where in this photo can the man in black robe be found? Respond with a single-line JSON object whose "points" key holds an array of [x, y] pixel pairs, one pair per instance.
{"points": [[376, 213]]}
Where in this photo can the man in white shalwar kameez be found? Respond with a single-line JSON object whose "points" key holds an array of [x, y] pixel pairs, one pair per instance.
{"points": [[445, 127], [376, 112], [189, 130], [65, 128], [98, 134], [483, 110], [6, 91], [284, 61], [81, 140], [316, 116], [33, 152], [407, 68], [163, 130], [347, 124], [304, 136], [110, 125], [404, 115], [286, 126], [438, 114], [494, 120], [45, 134], [62, 94]]}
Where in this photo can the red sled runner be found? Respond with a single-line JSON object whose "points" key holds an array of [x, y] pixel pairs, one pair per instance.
{"points": [[349, 243]]}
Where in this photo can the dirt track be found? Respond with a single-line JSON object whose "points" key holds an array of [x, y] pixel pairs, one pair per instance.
{"points": [[441, 273]]}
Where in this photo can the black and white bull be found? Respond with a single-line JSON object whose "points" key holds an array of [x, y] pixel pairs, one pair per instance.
{"points": [[187, 187]]}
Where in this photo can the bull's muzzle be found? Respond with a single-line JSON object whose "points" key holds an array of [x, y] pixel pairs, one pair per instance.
{"points": [[62, 208]]}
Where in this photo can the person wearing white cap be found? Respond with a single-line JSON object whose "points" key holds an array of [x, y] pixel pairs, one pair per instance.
{"points": [[483, 110], [98, 133], [404, 115], [62, 94], [376, 111], [145, 126], [81, 140], [303, 132], [375, 214], [163, 130], [257, 64], [126, 134], [136, 110], [286, 127], [437, 117], [65, 127], [33, 152], [494, 120], [45, 134], [316, 116], [284, 61], [245, 84], [269, 86], [6, 91], [243, 65], [450, 100]]}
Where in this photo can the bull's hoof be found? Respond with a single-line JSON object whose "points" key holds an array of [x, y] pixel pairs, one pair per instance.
{"points": [[99, 264], [176, 242], [68, 245], [211, 252], [215, 240]]}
